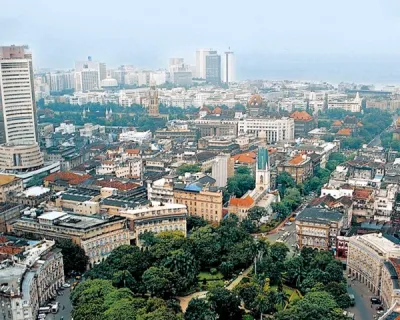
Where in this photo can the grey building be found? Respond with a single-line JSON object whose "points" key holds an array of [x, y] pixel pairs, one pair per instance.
{"points": [[213, 68]]}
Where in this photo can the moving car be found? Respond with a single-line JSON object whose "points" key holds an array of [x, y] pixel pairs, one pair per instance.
{"points": [[66, 285]]}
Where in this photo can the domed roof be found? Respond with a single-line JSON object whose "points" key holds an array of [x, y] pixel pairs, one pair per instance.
{"points": [[109, 82], [255, 100]]}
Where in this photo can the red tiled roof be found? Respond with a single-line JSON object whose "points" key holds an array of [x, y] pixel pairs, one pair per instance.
{"points": [[244, 159], [132, 151], [117, 184], [296, 159], [301, 116], [241, 202], [361, 194], [344, 132], [337, 123], [69, 177]]}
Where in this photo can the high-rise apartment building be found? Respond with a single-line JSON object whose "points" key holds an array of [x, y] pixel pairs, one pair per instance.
{"points": [[92, 66], [229, 67], [222, 168], [59, 81], [213, 68], [201, 55], [17, 95]]}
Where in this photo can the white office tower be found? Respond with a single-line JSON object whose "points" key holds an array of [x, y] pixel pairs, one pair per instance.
{"points": [[91, 65], [219, 170], [86, 80], [228, 67], [201, 55], [17, 95]]}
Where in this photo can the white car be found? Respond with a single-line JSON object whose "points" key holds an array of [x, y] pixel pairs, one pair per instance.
{"points": [[66, 285]]}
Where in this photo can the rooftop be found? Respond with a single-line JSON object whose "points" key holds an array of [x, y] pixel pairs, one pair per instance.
{"points": [[242, 202], [301, 116], [379, 243], [36, 191], [7, 178], [319, 215]]}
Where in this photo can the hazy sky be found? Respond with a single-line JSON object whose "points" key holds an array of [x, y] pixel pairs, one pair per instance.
{"points": [[264, 34]]}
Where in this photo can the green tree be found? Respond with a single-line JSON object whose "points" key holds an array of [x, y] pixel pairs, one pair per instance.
{"points": [[243, 170], [248, 292], [90, 290], [190, 168], [199, 309], [314, 306], [74, 256], [256, 213], [278, 251], [225, 304], [121, 310], [206, 246], [194, 222], [185, 267], [159, 282]]}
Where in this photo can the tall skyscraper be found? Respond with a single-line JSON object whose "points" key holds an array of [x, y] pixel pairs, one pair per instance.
{"points": [[91, 65], [17, 95], [201, 55], [229, 67], [213, 67]]}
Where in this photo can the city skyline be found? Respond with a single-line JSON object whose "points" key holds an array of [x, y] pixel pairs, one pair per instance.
{"points": [[264, 36]]}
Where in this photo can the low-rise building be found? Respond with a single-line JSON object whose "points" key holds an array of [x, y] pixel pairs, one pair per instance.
{"points": [[135, 136], [161, 190], [9, 183], [390, 286], [299, 167], [271, 129], [32, 196], [303, 123], [98, 236], [28, 279], [318, 228], [155, 218], [366, 256], [201, 201]]}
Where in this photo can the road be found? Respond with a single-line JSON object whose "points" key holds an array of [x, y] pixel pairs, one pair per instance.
{"points": [[289, 240], [362, 309], [65, 302]]}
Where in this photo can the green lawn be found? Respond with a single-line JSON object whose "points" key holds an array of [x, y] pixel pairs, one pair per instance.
{"points": [[293, 294], [208, 276]]}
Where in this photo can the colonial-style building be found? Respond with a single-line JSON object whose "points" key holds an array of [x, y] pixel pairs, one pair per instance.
{"points": [[366, 256], [202, 201], [318, 228], [97, 236], [299, 167]]}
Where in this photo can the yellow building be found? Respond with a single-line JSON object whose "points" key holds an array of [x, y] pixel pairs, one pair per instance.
{"points": [[390, 288], [299, 167], [366, 256], [155, 218], [9, 183], [200, 201], [97, 236], [318, 228]]}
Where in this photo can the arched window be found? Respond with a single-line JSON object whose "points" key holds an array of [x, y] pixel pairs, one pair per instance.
{"points": [[261, 179]]}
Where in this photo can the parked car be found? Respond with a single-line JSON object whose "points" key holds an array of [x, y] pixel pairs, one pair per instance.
{"points": [[66, 285], [375, 300], [379, 308]]}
